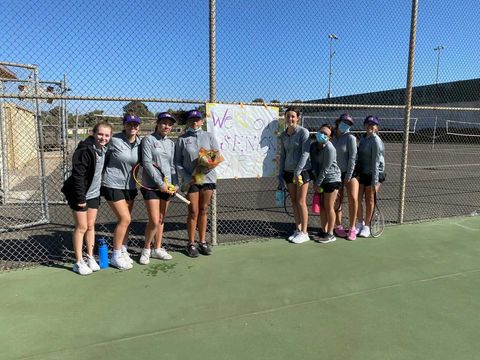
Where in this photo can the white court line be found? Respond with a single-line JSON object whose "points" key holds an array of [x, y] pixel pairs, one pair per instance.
{"points": [[459, 224], [465, 227]]}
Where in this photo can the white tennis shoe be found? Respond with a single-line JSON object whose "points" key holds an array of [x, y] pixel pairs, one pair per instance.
{"points": [[127, 257], [161, 253], [359, 227], [92, 264], [295, 233], [81, 268], [365, 232], [120, 263], [145, 257], [300, 238]]}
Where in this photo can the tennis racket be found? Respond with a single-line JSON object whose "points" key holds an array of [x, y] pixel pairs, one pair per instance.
{"points": [[337, 205], [377, 225], [137, 173], [287, 204], [338, 202]]}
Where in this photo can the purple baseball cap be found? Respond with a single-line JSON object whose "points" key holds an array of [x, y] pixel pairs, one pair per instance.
{"points": [[347, 118], [166, 116], [194, 114], [129, 118], [371, 120]]}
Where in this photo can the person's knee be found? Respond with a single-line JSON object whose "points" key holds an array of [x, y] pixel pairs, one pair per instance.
{"points": [[161, 220], [301, 201], [353, 200], [203, 210], [370, 198], [81, 228], [192, 213], [125, 221]]}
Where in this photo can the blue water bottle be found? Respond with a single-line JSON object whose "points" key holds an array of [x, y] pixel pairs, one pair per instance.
{"points": [[103, 253], [279, 197]]}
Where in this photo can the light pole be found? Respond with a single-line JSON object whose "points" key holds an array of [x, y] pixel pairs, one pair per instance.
{"points": [[438, 49], [331, 54]]}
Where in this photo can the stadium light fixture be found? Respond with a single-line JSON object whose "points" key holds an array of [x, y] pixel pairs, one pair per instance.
{"points": [[439, 50], [331, 37]]}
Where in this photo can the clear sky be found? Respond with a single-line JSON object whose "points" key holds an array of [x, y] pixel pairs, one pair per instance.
{"points": [[275, 50]]}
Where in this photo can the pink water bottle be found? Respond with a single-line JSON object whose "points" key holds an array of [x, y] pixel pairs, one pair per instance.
{"points": [[316, 203]]}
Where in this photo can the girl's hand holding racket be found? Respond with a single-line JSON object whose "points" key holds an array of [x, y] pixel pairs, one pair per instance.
{"points": [[166, 188], [172, 190], [137, 173], [298, 180]]}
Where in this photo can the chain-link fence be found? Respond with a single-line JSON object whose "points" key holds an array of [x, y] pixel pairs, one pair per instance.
{"points": [[94, 61]]}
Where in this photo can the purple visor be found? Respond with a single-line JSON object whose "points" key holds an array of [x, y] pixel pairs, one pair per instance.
{"points": [[166, 116], [347, 118], [371, 120], [131, 119], [194, 114]]}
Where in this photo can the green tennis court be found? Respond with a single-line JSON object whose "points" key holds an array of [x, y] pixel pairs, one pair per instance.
{"points": [[414, 293]]}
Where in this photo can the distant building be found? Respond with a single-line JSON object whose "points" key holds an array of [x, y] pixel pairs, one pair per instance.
{"points": [[5, 73], [464, 93]]}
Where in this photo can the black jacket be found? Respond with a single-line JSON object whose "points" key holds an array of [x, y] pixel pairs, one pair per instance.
{"points": [[83, 169]]}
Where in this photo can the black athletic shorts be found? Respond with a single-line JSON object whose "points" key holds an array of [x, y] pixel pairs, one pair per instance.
{"points": [[111, 194], [366, 179], [155, 195], [344, 174], [197, 187], [331, 187], [307, 176], [91, 204]]}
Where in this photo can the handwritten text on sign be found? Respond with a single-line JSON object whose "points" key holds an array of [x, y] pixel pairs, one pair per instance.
{"points": [[247, 136]]}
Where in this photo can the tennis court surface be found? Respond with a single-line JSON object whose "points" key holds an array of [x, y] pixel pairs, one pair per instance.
{"points": [[414, 293]]}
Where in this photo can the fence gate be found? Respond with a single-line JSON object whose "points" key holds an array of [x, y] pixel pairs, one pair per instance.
{"points": [[23, 182]]}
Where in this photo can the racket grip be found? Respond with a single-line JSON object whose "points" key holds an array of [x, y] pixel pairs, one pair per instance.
{"points": [[184, 199]]}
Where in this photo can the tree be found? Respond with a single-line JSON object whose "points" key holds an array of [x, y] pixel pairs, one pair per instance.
{"points": [[258, 100], [139, 108], [202, 109], [56, 111], [90, 118]]}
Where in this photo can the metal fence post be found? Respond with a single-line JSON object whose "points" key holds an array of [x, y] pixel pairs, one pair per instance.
{"points": [[3, 147], [41, 149], [212, 48], [408, 108], [64, 126]]}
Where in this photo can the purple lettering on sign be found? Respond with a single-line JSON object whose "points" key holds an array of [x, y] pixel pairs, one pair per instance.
{"points": [[217, 122]]}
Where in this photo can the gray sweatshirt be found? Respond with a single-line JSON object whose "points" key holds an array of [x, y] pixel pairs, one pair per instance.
{"points": [[157, 159], [121, 158], [186, 155], [294, 152], [346, 147], [371, 160], [94, 189], [324, 164]]}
